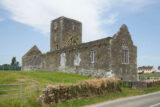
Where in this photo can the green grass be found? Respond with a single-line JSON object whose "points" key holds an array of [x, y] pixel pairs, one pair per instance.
{"points": [[42, 78], [33, 102], [149, 75], [126, 92], [45, 78], [25, 102]]}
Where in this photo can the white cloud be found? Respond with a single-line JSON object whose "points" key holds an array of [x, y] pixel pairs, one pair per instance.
{"points": [[92, 13]]}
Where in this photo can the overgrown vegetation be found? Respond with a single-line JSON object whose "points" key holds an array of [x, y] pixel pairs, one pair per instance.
{"points": [[108, 38], [88, 88], [153, 83]]}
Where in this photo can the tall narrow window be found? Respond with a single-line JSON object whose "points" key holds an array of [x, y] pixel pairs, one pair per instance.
{"points": [[125, 55], [77, 59], [63, 60], [73, 26], [92, 56]]}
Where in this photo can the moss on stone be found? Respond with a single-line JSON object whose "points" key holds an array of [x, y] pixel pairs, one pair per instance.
{"points": [[109, 38]]}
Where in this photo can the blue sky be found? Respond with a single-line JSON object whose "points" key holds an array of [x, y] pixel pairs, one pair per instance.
{"points": [[24, 23]]}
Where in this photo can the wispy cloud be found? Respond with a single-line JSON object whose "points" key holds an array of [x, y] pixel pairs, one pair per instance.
{"points": [[92, 13]]}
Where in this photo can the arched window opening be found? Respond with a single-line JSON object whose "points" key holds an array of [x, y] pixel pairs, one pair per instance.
{"points": [[92, 54]]}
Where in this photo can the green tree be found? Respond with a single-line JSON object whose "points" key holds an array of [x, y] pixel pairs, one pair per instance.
{"points": [[13, 62], [17, 63]]}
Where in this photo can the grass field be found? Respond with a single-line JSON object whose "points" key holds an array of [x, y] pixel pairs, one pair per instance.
{"points": [[42, 78], [149, 75], [45, 78]]}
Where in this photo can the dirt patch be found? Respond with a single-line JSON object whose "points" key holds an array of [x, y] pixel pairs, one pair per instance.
{"points": [[23, 80]]}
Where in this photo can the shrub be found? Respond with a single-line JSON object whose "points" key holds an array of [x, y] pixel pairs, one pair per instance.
{"points": [[153, 84]]}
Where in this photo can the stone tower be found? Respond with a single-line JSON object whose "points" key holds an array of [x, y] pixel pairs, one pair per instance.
{"points": [[65, 32]]}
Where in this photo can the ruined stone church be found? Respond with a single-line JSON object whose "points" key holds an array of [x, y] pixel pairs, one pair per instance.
{"points": [[109, 57]]}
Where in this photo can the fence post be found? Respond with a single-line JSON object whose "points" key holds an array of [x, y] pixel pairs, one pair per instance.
{"points": [[20, 91], [37, 89]]}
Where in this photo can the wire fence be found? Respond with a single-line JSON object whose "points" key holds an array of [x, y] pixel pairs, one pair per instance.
{"points": [[18, 91], [22, 90], [9, 67]]}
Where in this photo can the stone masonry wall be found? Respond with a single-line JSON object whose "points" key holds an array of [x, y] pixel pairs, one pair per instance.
{"points": [[32, 63], [32, 60], [77, 59], [124, 71], [65, 32]]}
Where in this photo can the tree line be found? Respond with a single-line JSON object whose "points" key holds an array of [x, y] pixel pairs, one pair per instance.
{"points": [[14, 65]]}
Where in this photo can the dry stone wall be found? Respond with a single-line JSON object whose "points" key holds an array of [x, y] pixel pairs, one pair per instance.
{"points": [[56, 94]]}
